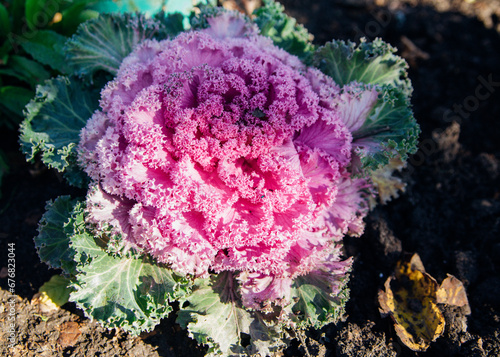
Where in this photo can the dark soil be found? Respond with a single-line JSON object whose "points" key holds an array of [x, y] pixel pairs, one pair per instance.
{"points": [[449, 214]]}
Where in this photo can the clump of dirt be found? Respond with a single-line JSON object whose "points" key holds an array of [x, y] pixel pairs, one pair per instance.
{"points": [[353, 341], [61, 333]]}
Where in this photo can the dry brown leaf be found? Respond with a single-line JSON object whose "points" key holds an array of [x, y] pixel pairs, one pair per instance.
{"points": [[416, 264], [69, 333], [452, 292], [388, 186], [410, 299], [52, 294], [44, 303]]}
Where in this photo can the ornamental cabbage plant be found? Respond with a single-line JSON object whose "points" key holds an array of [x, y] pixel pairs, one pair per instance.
{"points": [[222, 164]]}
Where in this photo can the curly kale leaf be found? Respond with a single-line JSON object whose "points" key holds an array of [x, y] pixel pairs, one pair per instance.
{"points": [[389, 129], [319, 299], [118, 291], [53, 122], [284, 30], [368, 62], [215, 317], [55, 227], [101, 44]]}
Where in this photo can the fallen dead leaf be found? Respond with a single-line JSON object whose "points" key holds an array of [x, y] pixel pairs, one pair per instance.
{"points": [[44, 303], [452, 292], [52, 294], [69, 333], [410, 299], [388, 186]]}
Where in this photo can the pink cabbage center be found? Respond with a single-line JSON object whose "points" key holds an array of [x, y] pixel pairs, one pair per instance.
{"points": [[215, 154]]}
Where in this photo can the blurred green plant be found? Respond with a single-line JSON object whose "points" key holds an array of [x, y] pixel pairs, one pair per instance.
{"points": [[32, 34]]}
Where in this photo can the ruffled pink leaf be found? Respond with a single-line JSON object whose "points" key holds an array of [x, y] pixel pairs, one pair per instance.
{"points": [[354, 104], [230, 24]]}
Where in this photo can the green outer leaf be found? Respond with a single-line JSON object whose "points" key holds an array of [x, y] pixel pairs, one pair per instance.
{"points": [[122, 292], [390, 130], [216, 318], [213, 321], [39, 13], [107, 291], [170, 25], [82, 241], [47, 47], [101, 44], [315, 305], [200, 20], [369, 62], [4, 21], [390, 127], [73, 174], [15, 98], [55, 227], [266, 338], [54, 119], [283, 30]]}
